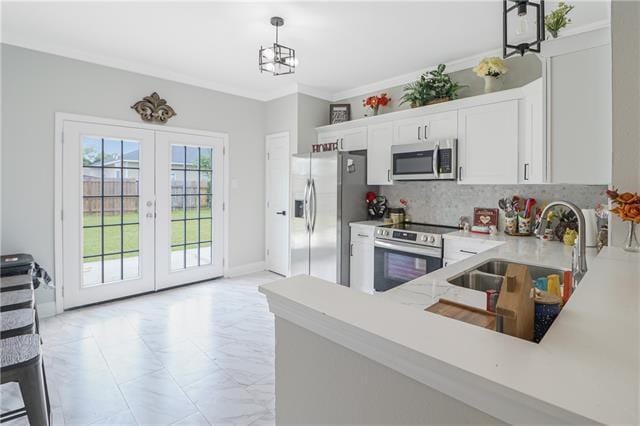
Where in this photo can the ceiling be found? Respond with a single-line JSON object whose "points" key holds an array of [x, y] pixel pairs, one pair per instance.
{"points": [[340, 45]]}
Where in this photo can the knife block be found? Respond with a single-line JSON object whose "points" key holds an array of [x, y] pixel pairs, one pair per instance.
{"points": [[515, 308]]}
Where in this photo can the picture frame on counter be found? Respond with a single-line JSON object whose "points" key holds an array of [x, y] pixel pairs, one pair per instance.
{"points": [[483, 219], [339, 113]]}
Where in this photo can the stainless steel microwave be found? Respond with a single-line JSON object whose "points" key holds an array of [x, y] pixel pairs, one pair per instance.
{"points": [[433, 160]]}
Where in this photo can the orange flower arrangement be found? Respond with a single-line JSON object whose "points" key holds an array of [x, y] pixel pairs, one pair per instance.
{"points": [[375, 102], [627, 205]]}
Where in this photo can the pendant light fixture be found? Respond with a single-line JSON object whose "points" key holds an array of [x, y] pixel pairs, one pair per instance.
{"points": [[277, 59], [521, 7]]}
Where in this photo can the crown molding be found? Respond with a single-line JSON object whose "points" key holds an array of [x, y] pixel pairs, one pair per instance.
{"points": [[138, 68], [407, 78]]}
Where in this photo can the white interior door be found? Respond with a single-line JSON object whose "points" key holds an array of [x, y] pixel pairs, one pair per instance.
{"points": [[189, 222], [107, 211], [277, 214]]}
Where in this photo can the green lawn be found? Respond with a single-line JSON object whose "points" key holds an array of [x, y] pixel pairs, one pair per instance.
{"points": [[93, 242]]}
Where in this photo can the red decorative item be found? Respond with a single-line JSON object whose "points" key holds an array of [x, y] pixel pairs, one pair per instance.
{"points": [[375, 102]]}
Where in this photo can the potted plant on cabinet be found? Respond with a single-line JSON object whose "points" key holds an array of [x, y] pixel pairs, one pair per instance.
{"points": [[557, 20], [491, 69], [432, 87]]}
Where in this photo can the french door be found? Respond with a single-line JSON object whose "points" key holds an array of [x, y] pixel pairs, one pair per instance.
{"points": [[142, 210]]}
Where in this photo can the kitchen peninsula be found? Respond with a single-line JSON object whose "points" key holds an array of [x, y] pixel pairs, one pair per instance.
{"points": [[383, 359]]}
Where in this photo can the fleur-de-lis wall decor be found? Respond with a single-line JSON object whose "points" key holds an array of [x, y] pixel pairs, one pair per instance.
{"points": [[154, 108]]}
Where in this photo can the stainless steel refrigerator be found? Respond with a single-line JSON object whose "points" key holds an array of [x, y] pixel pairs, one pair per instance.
{"points": [[329, 191]]}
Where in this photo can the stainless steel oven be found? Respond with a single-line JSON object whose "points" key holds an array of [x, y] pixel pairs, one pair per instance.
{"points": [[404, 252], [433, 160]]}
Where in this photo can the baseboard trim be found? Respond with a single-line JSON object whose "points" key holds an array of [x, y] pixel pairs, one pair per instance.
{"points": [[247, 268], [47, 309]]}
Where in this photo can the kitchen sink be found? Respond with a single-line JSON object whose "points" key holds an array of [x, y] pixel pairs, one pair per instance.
{"points": [[489, 275]]}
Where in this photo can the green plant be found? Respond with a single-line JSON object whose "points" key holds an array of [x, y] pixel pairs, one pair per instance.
{"points": [[431, 86], [557, 20]]}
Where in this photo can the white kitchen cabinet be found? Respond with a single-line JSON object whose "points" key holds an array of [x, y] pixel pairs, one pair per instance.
{"points": [[424, 128], [532, 158], [361, 258], [457, 249], [579, 116], [488, 144], [380, 139], [353, 139]]}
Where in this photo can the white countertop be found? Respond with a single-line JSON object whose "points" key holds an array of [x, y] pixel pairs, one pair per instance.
{"points": [[586, 369]]}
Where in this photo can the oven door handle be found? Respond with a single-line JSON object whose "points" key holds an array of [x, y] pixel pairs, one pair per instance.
{"points": [[409, 248]]}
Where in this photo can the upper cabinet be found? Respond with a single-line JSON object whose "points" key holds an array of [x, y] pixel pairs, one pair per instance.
{"points": [[488, 144], [579, 110], [532, 157], [379, 154], [424, 128], [351, 139]]}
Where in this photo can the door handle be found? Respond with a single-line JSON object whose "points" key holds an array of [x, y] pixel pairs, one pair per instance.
{"points": [[436, 162], [283, 213], [315, 204], [307, 189]]}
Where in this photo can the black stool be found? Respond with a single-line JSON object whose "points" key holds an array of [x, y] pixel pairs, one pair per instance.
{"points": [[21, 362], [17, 322]]}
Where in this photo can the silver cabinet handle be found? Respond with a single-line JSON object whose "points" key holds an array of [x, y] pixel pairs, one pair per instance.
{"points": [[363, 235], [351, 250], [425, 132], [460, 173], [341, 143], [435, 163], [526, 171], [419, 133], [388, 175], [468, 252]]}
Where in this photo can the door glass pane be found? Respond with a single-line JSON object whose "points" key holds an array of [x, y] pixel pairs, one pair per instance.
{"points": [[191, 222], [110, 197]]}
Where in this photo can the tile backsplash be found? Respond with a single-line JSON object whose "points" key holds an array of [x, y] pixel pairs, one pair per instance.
{"points": [[443, 203]]}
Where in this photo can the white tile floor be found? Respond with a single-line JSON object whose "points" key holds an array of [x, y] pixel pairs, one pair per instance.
{"points": [[200, 354]]}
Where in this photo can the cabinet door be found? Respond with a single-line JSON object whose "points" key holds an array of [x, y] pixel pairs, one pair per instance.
{"points": [[488, 144], [442, 126], [328, 138], [380, 139], [357, 265], [580, 116], [410, 130], [532, 163], [353, 139]]}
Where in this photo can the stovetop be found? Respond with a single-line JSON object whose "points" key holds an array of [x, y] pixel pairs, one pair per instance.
{"points": [[421, 227], [414, 233]]}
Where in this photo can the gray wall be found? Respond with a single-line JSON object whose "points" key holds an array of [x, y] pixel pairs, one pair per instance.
{"points": [[281, 115], [321, 382], [625, 50], [298, 114], [37, 85], [522, 70], [442, 203], [312, 113]]}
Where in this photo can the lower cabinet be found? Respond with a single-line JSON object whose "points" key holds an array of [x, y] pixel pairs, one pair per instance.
{"points": [[361, 258], [457, 249]]}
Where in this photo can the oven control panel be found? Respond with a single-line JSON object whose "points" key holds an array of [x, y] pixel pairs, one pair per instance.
{"points": [[407, 236]]}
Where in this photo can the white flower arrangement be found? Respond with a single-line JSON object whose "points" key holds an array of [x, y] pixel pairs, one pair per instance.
{"points": [[492, 66]]}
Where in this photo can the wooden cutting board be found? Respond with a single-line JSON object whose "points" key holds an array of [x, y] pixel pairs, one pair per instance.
{"points": [[464, 313]]}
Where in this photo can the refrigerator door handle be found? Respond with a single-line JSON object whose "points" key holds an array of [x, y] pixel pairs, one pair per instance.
{"points": [[305, 209], [314, 197]]}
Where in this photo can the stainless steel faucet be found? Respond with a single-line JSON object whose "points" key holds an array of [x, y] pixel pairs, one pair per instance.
{"points": [[579, 260]]}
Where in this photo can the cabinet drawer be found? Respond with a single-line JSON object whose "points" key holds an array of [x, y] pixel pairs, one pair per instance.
{"points": [[362, 233], [459, 248]]}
